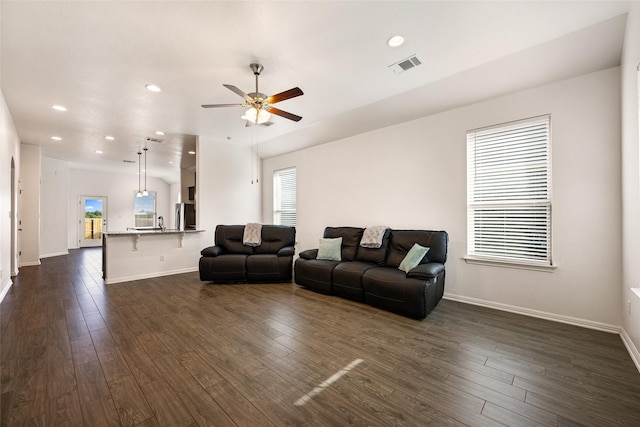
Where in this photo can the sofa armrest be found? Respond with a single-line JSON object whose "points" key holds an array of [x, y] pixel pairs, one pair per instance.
{"points": [[309, 254], [286, 251], [426, 271], [211, 251]]}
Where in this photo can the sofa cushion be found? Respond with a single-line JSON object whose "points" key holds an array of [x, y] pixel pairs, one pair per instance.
{"points": [[347, 279], [390, 289], [350, 240], [413, 257], [315, 274], [223, 268], [274, 238], [401, 241], [330, 249], [229, 237], [375, 255]]}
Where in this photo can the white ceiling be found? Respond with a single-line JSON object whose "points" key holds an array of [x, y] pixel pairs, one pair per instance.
{"points": [[95, 58]]}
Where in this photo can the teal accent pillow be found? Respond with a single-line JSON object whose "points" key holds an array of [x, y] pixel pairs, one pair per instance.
{"points": [[413, 257], [330, 249]]}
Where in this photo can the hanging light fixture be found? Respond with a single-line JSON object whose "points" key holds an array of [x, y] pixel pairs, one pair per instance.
{"points": [[256, 116], [139, 193], [145, 192]]}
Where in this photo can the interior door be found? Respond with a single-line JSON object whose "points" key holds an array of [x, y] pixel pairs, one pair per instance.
{"points": [[92, 220]]}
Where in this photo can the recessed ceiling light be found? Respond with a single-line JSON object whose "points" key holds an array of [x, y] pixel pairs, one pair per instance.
{"points": [[98, 151], [109, 137], [153, 88], [192, 152], [59, 108], [395, 41], [56, 138], [159, 132], [171, 162]]}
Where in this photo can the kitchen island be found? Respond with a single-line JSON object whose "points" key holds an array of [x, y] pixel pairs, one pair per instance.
{"points": [[140, 254]]}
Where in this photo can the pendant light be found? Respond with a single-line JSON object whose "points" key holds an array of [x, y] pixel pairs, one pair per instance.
{"points": [[145, 192], [139, 193]]}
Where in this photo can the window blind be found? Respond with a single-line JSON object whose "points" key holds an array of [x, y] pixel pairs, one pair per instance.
{"points": [[284, 191], [509, 192]]}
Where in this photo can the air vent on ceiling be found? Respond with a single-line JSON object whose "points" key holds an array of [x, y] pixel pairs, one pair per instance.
{"points": [[406, 64], [153, 140], [129, 161]]}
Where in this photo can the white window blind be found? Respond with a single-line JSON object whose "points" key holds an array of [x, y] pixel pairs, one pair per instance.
{"points": [[509, 192], [284, 197]]}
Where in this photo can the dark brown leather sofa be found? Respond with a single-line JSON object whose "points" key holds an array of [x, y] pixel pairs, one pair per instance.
{"points": [[372, 275], [232, 261]]}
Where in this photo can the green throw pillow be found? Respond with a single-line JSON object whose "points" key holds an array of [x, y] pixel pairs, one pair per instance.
{"points": [[330, 249], [413, 257]]}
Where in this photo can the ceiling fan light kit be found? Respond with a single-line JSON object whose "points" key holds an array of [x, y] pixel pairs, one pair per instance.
{"points": [[260, 105]]}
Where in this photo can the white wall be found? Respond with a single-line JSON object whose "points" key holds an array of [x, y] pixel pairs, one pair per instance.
{"points": [[29, 212], [9, 150], [54, 209], [413, 175], [631, 182], [119, 189], [225, 194]]}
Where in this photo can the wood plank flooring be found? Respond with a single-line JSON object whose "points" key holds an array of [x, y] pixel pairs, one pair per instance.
{"points": [[174, 351]]}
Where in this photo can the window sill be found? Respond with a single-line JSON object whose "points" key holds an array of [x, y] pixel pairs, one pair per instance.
{"points": [[510, 264]]}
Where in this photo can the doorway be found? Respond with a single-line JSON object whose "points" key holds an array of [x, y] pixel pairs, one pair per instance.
{"points": [[92, 220], [15, 251]]}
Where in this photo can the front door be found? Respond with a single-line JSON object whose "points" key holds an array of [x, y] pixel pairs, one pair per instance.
{"points": [[92, 220]]}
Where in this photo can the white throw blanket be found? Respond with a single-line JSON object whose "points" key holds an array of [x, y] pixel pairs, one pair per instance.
{"points": [[372, 237], [252, 234]]}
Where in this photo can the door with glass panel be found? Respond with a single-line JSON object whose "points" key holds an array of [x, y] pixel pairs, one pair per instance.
{"points": [[92, 220]]}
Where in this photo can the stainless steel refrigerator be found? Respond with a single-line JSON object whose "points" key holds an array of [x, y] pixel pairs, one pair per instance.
{"points": [[185, 216]]}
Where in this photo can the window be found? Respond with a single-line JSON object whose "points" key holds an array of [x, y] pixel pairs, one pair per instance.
{"points": [[144, 210], [284, 197], [509, 193]]}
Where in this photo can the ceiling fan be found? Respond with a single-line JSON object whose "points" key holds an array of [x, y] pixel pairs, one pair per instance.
{"points": [[261, 105]]}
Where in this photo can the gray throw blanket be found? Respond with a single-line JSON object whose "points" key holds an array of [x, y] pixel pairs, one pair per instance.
{"points": [[372, 236], [252, 234]]}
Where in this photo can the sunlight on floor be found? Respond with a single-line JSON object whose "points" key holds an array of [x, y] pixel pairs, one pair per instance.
{"points": [[326, 383]]}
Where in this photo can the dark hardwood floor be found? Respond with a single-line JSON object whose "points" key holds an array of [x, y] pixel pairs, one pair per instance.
{"points": [[173, 351]]}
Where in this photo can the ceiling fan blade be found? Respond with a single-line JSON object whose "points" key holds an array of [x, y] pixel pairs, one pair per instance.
{"points": [[239, 92], [287, 94], [284, 114], [221, 105]]}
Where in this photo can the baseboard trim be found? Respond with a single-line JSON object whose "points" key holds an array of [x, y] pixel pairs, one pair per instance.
{"points": [[631, 348], [54, 254], [5, 289], [149, 275], [536, 313], [30, 263]]}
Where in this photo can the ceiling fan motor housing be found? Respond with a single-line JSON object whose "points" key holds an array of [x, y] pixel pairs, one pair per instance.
{"points": [[256, 68]]}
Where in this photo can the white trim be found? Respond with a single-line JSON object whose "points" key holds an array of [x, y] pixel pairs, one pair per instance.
{"points": [[30, 263], [5, 289], [150, 275], [636, 291], [631, 348], [605, 327], [54, 254], [509, 264]]}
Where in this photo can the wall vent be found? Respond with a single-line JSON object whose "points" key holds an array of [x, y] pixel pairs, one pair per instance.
{"points": [[406, 64]]}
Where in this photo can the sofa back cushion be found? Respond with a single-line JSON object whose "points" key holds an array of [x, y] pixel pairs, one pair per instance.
{"points": [[276, 237], [350, 240], [375, 255], [229, 237], [401, 241]]}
